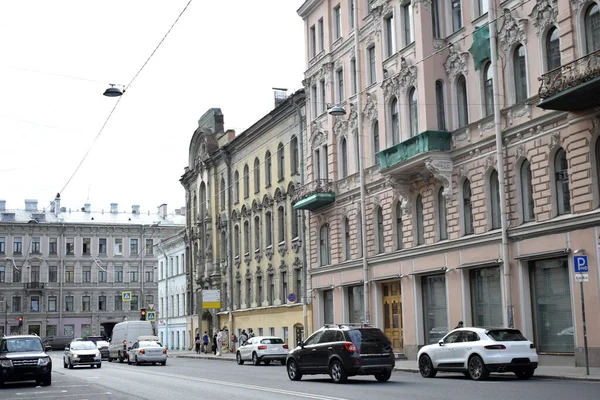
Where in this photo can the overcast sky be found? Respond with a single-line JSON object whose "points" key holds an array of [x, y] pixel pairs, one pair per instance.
{"points": [[58, 57]]}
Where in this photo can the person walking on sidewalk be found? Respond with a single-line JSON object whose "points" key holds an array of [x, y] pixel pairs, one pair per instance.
{"points": [[219, 342], [214, 343], [197, 344], [205, 340]]}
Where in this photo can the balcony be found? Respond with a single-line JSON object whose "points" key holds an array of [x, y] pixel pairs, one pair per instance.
{"points": [[34, 286], [314, 195], [572, 87]]}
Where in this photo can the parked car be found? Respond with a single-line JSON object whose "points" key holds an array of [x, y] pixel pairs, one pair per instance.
{"points": [[82, 352], [478, 351], [341, 351], [22, 358], [124, 335], [147, 350], [262, 349], [57, 342]]}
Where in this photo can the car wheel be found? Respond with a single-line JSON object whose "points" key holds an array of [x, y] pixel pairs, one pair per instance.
{"points": [[477, 369], [47, 381], [525, 373], [121, 359], [99, 366], [426, 367], [70, 365], [337, 372], [267, 362], [128, 361], [65, 365], [238, 358], [293, 370], [255, 360], [383, 376], [137, 362]]}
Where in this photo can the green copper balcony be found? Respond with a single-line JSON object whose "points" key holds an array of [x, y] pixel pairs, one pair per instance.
{"points": [[314, 195], [402, 153], [572, 87]]}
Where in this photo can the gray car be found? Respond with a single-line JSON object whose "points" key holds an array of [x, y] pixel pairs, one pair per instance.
{"points": [[82, 352]]}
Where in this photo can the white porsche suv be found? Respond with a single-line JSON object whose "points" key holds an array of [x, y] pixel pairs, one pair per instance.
{"points": [[478, 351]]}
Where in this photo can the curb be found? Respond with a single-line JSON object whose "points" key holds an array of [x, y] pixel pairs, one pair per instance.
{"points": [[215, 358]]}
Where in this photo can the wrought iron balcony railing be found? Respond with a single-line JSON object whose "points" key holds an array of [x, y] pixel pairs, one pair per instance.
{"points": [[34, 285], [314, 187], [570, 75]]}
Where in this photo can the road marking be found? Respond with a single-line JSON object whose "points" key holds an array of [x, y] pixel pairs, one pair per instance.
{"points": [[53, 396]]}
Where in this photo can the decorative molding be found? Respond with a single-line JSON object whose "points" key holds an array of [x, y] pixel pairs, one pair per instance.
{"points": [[370, 110], [269, 252], [461, 137], [456, 62], [283, 266], [441, 169], [461, 171], [270, 269], [257, 256], [489, 162], [352, 123], [544, 14], [340, 128], [520, 153], [596, 126], [513, 30], [487, 126], [426, 5], [407, 76], [282, 249], [318, 138], [514, 113], [297, 263], [577, 4], [296, 245], [402, 189], [438, 44], [554, 141]]}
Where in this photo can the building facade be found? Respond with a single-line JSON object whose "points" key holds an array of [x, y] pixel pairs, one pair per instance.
{"points": [[246, 237], [79, 272], [425, 111], [172, 292]]}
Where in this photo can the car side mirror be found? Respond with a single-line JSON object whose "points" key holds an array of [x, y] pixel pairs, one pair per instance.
{"points": [[47, 348], [301, 343], [441, 342]]}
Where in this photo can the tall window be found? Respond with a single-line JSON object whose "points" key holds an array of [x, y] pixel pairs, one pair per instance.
{"points": [[323, 96], [246, 181], [413, 111], [246, 237], [520, 73], [328, 306], [324, 250], [482, 7], [420, 220], [527, 192], [340, 96], [463, 104], [399, 227], [222, 193], [561, 173], [351, 13], [85, 303], [259, 290], [52, 301], [256, 233], [390, 39], [440, 105], [337, 22], [269, 228], [248, 292], [18, 245], [435, 19], [380, 232], [35, 245], [118, 247], [343, 158], [467, 207], [281, 223], [356, 304], [488, 89], [375, 141], [53, 246], [69, 303], [592, 28], [118, 274], [313, 41], [315, 103], [395, 116], [353, 76], [407, 14], [495, 216], [321, 34], [280, 161], [346, 239], [486, 296], [236, 238], [317, 164], [552, 49], [456, 15], [443, 224], [295, 217], [284, 286], [268, 169], [271, 289], [372, 72], [256, 175], [236, 190], [294, 157], [70, 274], [435, 311]]}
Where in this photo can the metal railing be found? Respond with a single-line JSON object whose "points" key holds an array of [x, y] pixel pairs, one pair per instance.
{"points": [[316, 186], [570, 75], [34, 285]]}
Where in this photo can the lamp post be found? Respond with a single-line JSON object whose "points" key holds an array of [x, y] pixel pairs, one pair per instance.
{"points": [[166, 302], [5, 318]]}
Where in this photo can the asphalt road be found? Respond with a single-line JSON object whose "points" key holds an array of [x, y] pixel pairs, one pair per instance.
{"points": [[183, 379]]}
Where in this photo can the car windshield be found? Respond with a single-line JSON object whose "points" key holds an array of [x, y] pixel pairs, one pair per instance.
{"points": [[506, 335], [272, 341], [150, 344], [83, 346], [21, 345]]}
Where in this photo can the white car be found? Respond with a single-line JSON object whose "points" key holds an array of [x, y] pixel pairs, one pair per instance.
{"points": [[478, 351], [147, 351], [263, 349], [82, 352]]}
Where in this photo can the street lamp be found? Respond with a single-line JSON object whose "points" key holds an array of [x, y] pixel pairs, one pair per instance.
{"points": [[336, 111], [114, 90]]}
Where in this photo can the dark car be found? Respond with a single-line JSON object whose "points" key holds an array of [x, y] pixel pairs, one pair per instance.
{"points": [[23, 358], [343, 350], [57, 342]]}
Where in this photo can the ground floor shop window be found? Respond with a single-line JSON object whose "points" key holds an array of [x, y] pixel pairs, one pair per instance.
{"points": [[328, 306], [486, 296], [551, 303], [435, 316], [69, 330], [355, 304], [86, 330], [50, 330]]}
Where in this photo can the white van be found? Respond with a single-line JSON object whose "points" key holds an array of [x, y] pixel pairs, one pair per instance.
{"points": [[124, 335]]}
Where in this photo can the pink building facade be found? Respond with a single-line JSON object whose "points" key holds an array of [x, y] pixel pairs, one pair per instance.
{"points": [[419, 99]]}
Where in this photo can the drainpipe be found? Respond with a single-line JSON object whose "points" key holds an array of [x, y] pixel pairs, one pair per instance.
{"points": [[61, 278], [166, 302], [229, 248], [508, 314], [141, 249]]}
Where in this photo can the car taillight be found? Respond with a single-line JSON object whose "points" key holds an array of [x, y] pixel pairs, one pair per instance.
{"points": [[142, 351], [285, 346], [350, 347], [164, 351], [495, 347], [262, 347]]}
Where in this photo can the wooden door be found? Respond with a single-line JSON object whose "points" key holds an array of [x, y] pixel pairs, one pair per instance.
{"points": [[392, 314]]}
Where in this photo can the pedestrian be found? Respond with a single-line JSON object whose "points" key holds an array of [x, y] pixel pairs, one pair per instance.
{"points": [[205, 340], [459, 325], [219, 342], [243, 337], [250, 333], [234, 340], [197, 344], [214, 343]]}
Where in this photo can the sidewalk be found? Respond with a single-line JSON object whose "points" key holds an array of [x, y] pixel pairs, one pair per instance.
{"points": [[543, 372]]}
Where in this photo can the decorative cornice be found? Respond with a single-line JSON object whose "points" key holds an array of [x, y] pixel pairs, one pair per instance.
{"points": [[513, 30], [544, 14], [456, 62], [370, 110]]}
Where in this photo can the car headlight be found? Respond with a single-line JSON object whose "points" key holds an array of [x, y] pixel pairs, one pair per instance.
{"points": [[43, 361], [97, 354], [75, 355], [6, 363]]}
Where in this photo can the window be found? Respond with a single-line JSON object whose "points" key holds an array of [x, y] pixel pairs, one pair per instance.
{"points": [[101, 303], [246, 181], [295, 217], [399, 227], [35, 245], [315, 103], [375, 141], [317, 164], [35, 304], [552, 49], [118, 274], [149, 247], [482, 7], [222, 190], [52, 273], [413, 112], [16, 275], [86, 274], [380, 232], [486, 296], [337, 23], [463, 104], [298, 284], [134, 303], [456, 15], [395, 117], [435, 19], [280, 161], [323, 99], [256, 233], [256, 175], [133, 274], [281, 223], [69, 303], [236, 190], [488, 89], [343, 158], [16, 304], [52, 245], [118, 247], [2, 274], [70, 246], [101, 246], [353, 76], [443, 224], [150, 274], [268, 169], [102, 276], [324, 249], [284, 286], [326, 163], [328, 306], [133, 246], [407, 14], [520, 74], [440, 105], [467, 207], [269, 228], [390, 38], [592, 28], [494, 201], [271, 294], [118, 302], [294, 157], [561, 173], [248, 292], [527, 192], [339, 81], [17, 245], [435, 315], [356, 304], [321, 35], [420, 220], [85, 303], [246, 237], [372, 72], [346, 239], [2, 245], [351, 14], [236, 240], [52, 304], [70, 274], [313, 41]]}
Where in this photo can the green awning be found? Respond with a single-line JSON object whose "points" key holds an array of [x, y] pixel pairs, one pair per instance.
{"points": [[480, 49]]}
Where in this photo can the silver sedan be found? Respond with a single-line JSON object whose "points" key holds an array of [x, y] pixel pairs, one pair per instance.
{"points": [[82, 352], [262, 349], [147, 351]]}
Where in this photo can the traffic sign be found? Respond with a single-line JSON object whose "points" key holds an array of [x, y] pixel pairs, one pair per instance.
{"points": [[151, 316], [126, 296], [292, 298], [211, 298], [581, 264], [582, 278]]}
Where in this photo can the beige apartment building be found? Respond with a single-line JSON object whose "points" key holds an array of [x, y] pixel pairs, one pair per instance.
{"points": [[412, 167]]}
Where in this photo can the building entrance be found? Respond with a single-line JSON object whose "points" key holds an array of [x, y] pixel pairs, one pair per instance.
{"points": [[392, 314]]}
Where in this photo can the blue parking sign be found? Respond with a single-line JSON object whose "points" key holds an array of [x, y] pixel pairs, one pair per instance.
{"points": [[581, 264]]}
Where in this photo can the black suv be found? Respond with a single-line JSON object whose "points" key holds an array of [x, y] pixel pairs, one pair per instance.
{"points": [[23, 358], [343, 350]]}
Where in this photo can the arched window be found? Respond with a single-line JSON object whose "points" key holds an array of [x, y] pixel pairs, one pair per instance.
{"points": [[268, 169], [495, 215], [236, 180], [269, 228], [256, 233], [246, 181], [527, 192], [256, 175], [399, 227], [222, 191], [420, 220], [246, 237], [520, 74], [463, 104], [294, 158], [380, 232], [236, 234], [443, 224], [375, 141], [413, 112], [440, 105], [346, 239], [561, 174], [467, 207], [552, 49], [324, 251], [488, 89], [281, 223], [343, 158], [592, 28], [395, 119], [281, 161]]}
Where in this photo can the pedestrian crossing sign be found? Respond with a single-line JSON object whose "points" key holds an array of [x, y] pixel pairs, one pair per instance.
{"points": [[126, 296], [151, 316]]}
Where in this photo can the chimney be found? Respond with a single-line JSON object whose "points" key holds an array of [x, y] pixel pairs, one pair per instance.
{"points": [[162, 211], [178, 211], [30, 205], [57, 204], [230, 134], [114, 208], [87, 207], [2, 205], [280, 94], [135, 209]]}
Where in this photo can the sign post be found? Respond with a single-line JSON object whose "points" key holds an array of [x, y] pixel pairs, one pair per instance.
{"points": [[581, 275]]}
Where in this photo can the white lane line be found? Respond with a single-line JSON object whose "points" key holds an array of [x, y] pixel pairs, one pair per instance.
{"points": [[53, 396]]}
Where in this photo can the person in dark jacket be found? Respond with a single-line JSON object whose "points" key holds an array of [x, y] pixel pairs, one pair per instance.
{"points": [[214, 344], [197, 341]]}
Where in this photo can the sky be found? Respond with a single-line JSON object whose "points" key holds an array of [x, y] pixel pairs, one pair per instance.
{"points": [[57, 58]]}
